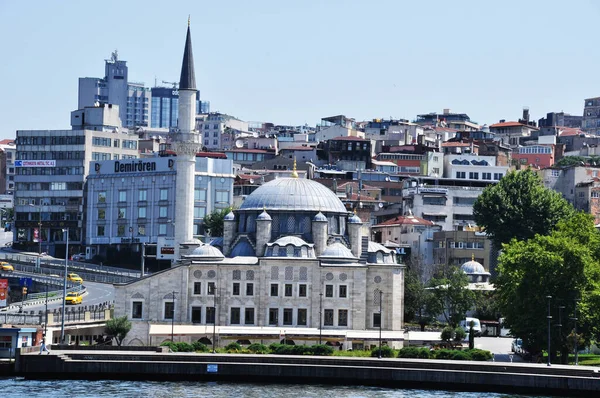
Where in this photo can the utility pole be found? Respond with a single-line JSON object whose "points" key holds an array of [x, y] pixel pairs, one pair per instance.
{"points": [[62, 318], [46, 313], [173, 319], [549, 320], [320, 311], [574, 319], [380, 320]]}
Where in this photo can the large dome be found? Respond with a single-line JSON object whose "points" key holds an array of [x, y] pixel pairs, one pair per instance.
{"points": [[294, 194]]}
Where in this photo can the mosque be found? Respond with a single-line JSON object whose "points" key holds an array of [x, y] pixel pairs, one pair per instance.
{"points": [[293, 264]]}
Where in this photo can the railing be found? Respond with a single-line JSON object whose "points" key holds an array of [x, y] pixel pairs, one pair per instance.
{"points": [[93, 313]]}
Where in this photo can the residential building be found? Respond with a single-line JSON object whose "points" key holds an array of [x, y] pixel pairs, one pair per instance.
{"points": [[337, 126], [220, 131], [573, 181], [7, 166], [561, 119], [576, 140], [591, 116], [457, 121], [544, 153], [354, 150], [414, 160], [512, 133], [133, 99], [131, 204], [247, 157], [469, 166], [392, 132], [51, 169], [458, 247]]}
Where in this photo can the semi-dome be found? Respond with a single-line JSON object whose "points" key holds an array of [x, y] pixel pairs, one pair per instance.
{"points": [[379, 254], [294, 194], [290, 246], [375, 247], [337, 250], [290, 240], [205, 252]]}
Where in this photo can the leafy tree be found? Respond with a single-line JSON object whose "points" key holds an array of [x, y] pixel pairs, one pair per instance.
{"points": [[520, 207], [450, 296], [564, 265], [415, 298], [486, 305], [213, 223], [118, 328], [459, 334]]}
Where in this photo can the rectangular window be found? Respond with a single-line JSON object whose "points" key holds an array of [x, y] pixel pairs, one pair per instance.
{"points": [[222, 196], [210, 289], [200, 195], [288, 290], [328, 319], [274, 290], [122, 196], [302, 290], [162, 211], [249, 316], [273, 316], [486, 176], [236, 289], [120, 230], [343, 318], [376, 320], [169, 309], [288, 316], [328, 290], [197, 287], [162, 229], [143, 195], [100, 230], [136, 310], [102, 197], [473, 176], [249, 289], [101, 214], [164, 194], [301, 321], [210, 315], [498, 176], [142, 212], [343, 291], [199, 212], [122, 213], [196, 314], [235, 316]]}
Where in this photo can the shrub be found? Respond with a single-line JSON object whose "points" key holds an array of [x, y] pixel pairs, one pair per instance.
{"points": [[258, 348], [443, 354], [184, 347], [447, 334], [321, 350], [480, 355], [172, 346], [424, 353], [461, 355], [459, 334], [386, 352], [408, 352], [199, 347], [233, 347]]}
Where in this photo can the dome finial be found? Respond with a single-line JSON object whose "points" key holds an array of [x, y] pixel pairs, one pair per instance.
{"points": [[189, 20], [472, 256], [294, 173]]}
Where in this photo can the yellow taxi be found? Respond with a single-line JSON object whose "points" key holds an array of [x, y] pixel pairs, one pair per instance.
{"points": [[74, 278], [74, 298], [4, 266]]}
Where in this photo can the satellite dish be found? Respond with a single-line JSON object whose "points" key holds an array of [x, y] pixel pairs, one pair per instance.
{"points": [[239, 143], [251, 181], [380, 205]]}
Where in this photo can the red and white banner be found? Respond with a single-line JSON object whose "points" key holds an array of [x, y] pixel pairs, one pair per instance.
{"points": [[3, 292]]}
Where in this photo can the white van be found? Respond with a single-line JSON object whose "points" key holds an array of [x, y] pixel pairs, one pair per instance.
{"points": [[466, 324]]}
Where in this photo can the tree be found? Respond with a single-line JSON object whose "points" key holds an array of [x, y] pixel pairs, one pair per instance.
{"points": [[118, 328], [213, 223], [415, 298], [450, 296], [520, 207], [564, 265]]}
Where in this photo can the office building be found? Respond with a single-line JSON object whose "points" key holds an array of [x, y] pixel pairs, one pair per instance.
{"points": [[165, 106]]}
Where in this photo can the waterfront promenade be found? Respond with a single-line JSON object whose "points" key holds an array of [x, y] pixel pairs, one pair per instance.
{"points": [[155, 364]]}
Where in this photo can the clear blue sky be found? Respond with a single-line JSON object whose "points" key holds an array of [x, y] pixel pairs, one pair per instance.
{"points": [[295, 61]]}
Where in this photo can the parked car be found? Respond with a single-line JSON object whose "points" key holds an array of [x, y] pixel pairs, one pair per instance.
{"points": [[517, 346], [74, 278], [4, 266], [74, 298], [466, 324], [78, 257]]}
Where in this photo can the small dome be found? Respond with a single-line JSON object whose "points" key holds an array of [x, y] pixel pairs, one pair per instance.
{"points": [[264, 216], [290, 240], [229, 216], [375, 247], [337, 250], [473, 267], [320, 217], [206, 252], [354, 219]]}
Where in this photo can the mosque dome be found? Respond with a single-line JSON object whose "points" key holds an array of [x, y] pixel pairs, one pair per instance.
{"points": [[286, 194], [264, 216], [379, 254], [337, 251], [473, 267], [205, 252], [354, 219]]}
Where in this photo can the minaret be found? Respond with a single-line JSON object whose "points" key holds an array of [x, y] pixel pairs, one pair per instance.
{"points": [[186, 143]]}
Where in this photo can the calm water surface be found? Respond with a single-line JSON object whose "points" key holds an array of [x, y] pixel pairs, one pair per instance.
{"points": [[18, 387]]}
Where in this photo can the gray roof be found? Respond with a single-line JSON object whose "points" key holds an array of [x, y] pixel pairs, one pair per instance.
{"points": [[338, 251], [290, 240], [206, 252], [320, 217], [264, 216], [187, 81], [354, 219], [294, 194], [473, 267], [229, 216]]}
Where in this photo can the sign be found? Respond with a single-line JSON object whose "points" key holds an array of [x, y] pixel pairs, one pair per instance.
{"points": [[136, 166], [35, 163], [25, 282], [3, 292], [210, 368], [130, 240], [167, 250]]}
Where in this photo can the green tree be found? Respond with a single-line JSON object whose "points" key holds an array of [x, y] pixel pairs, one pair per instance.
{"points": [[415, 298], [118, 328], [520, 207], [563, 265], [213, 223], [450, 296]]}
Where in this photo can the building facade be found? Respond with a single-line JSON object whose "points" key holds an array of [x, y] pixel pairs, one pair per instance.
{"points": [[165, 106], [591, 116]]}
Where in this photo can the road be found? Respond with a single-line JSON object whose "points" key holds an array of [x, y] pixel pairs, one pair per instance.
{"points": [[5, 237]]}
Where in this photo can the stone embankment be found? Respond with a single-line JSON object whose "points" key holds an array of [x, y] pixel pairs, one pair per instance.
{"points": [[401, 373]]}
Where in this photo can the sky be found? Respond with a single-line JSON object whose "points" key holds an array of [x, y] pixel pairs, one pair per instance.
{"points": [[295, 61]]}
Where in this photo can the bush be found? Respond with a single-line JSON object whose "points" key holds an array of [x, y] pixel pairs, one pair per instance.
{"points": [[480, 355], [184, 347], [321, 350], [459, 334], [408, 352], [233, 347], [172, 346], [199, 347], [257, 348], [447, 334], [461, 355], [386, 352], [424, 353], [443, 354]]}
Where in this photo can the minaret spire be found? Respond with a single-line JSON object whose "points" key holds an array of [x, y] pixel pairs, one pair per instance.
{"points": [[187, 81]]}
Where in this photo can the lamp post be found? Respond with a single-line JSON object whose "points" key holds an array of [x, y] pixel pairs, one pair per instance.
{"points": [[39, 261], [320, 311], [380, 320], [574, 319], [549, 320], [173, 319], [46, 313], [62, 320]]}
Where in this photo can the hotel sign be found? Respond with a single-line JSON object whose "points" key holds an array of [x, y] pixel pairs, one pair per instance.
{"points": [[138, 166], [35, 163]]}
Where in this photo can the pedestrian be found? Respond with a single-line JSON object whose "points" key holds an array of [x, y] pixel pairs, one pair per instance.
{"points": [[43, 346]]}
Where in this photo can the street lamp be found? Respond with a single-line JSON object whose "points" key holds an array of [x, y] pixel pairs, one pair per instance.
{"points": [[39, 262], [173, 319], [574, 319], [549, 320], [62, 321], [320, 311], [380, 320]]}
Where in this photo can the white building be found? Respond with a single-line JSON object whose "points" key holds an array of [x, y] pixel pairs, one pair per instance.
{"points": [[469, 166]]}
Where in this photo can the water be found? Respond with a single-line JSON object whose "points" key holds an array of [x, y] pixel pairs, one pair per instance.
{"points": [[19, 387]]}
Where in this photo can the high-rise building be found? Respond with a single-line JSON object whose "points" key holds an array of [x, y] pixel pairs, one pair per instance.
{"points": [[132, 98], [51, 168], [165, 106]]}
